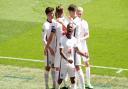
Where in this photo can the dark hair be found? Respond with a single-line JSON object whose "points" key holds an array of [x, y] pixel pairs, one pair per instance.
{"points": [[72, 7], [59, 10], [48, 10]]}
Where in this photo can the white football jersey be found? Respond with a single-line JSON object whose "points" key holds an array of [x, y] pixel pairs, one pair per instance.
{"points": [[84, 29], [47, 28], [68, 48], [77, 25]]}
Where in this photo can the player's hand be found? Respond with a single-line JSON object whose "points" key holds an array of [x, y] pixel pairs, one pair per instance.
{"points": [[51, 51], [59, 21], [70, 61], [80, 39], [86, 55], [47, 68], [45, 50]]}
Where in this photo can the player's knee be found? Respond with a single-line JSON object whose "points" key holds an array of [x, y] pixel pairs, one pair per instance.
{"points": [[52, 66], [60, 81], [87, 64], [47, 68], [72, 80], [77, 67], [57, 68]]}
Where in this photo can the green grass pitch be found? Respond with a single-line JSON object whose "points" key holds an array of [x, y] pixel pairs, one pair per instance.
{"points": [[20, 32]]}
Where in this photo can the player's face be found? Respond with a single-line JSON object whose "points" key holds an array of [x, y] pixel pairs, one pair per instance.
{"points": [[79, 14], [70, 30], [51, 15], [72, 13]]}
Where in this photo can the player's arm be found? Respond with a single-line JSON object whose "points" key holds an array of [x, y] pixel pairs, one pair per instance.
{"points": [[49, 42], [44, 35], [62, 24], [85, 30], [64, 57], [62, 54], [50, 39], [52, 34], [86, 36], [81, 53]]}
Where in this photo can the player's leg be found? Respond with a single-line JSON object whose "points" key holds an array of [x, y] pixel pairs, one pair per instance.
{"points": [[47, 69], [46, 76], [57, 74], [57, 66], [53, 76], [65, 81], [79, 72], [71, 73], [53, 70], [73, 84], [62, 75], [86, 63], [80, 75], [88, 83]]}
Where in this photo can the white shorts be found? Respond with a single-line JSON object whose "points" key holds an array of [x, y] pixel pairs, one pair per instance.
{"points": [[67, 69], [83, 48], [57, 58], [77, 59]]}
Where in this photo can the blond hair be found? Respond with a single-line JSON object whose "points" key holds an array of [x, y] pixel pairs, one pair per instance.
{"points": [[80, 9]]}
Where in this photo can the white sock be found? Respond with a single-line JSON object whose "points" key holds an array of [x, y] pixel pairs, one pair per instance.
{"points": [[46, 76], [88, 75], [81, 78], [77, 80], [56, 77], [57, 86], [73, 86], [65, 81], [53, 77]]}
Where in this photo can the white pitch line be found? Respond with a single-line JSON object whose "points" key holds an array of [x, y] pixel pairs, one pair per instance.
{"points": [[38, 60], [119, 71], [23, 59], [104, 67]]}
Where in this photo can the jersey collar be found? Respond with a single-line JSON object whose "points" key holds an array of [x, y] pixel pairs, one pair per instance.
{"points": [[49, 21]]}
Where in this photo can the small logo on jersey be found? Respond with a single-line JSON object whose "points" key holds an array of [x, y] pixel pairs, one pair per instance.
{"points": [[69, 50], [53, 29]]}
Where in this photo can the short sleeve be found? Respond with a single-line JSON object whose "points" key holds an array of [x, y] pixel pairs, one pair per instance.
{"points": [[75, 42], [53, 29], [44, 34], [85, 26], [61, 44]]}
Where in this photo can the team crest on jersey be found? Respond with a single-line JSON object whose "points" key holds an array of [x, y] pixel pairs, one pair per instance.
{"points": [[53, 29], [69, 50]]}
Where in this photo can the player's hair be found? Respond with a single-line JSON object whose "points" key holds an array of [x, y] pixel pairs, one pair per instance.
{"points": [[48, 10], [59, 11], [80, 9], [72, 7]]}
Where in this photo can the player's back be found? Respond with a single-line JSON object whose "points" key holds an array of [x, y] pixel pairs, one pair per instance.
{"points": [[77, 25]]}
